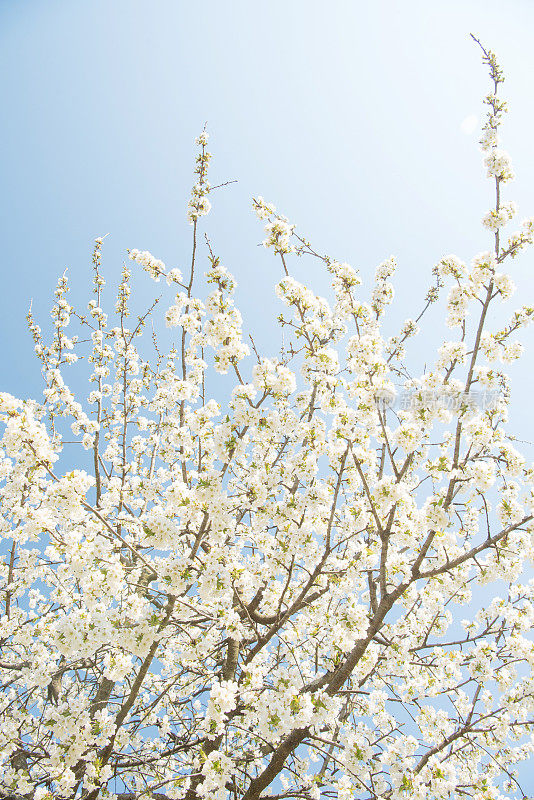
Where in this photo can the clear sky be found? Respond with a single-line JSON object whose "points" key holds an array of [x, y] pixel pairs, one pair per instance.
{"points": [[347, 114]]}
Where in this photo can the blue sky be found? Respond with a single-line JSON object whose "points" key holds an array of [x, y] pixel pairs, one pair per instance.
{"points": [[346, 114]]}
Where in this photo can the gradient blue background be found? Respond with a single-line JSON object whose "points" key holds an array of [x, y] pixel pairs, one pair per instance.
{"points": [[345, 114]]}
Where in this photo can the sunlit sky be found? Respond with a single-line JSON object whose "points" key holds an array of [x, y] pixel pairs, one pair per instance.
{"points": [[359, 120]]}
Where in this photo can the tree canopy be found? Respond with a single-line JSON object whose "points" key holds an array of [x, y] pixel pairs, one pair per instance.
{"points": [[266, 597]]}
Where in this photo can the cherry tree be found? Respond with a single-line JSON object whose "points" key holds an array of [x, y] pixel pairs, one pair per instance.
{"points": [[273, 596]]}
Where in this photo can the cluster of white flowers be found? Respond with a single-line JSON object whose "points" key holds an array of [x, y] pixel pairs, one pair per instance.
{"points": [[263, 209], [504, 285], [216, 770], [482, 473], [117, 666], [344, 276], [499, 165], [483, 267], [222, 701], [273, 377], [408, 436], [383, 292], [187, 312], [496, 347], [521, 239], [450, 265], [451, 353], [277, 228], [199, 204], [278, 236], [457, 305], [364, 353], [153, 266], [223, 328], [490, 138], [497, 218]]}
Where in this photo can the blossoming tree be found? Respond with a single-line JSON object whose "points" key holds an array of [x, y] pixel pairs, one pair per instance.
{"points": [[266, 599]]}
